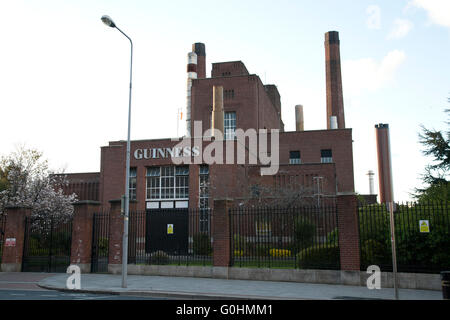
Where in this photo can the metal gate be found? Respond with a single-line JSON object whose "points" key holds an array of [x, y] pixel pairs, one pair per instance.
{"points": [[167, 230], [2, 233], [100, 242], [47, 245]]}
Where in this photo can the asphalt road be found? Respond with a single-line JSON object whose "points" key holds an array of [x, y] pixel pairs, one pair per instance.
{"points": [[13, 294], [23, 286]]}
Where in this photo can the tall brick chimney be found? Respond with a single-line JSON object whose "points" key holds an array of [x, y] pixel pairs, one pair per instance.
{"points": [[335, 100], [384, 163], [199, 49]]}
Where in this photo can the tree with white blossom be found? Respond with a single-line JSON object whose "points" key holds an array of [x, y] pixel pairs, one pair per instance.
{"points": [[28, 181]]}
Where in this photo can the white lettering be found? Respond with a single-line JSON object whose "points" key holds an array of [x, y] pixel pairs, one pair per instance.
{"points": [[138, 154], [74, 280], [374, 281]]}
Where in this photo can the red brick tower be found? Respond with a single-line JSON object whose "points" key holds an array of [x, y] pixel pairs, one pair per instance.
{"points": [[335, 100], [199, 49]]}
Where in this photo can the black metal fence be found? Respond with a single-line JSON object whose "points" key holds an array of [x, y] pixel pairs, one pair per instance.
{"points": [[47, 245], [100, 242], [298, 237], [2, 233], [170, 237], [422, 232]]}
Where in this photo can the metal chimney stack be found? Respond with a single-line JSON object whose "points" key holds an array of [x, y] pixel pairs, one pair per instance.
{"points": [[335, 100], [192, 74], [384, 163], [371, 184], [299, 122]]}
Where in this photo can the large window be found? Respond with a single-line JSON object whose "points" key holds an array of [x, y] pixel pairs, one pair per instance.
{"points": [[326, 156], [229, 125], [168, 182]]}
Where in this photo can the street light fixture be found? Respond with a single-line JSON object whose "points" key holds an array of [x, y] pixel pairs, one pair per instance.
{"points": [[110, 23]]}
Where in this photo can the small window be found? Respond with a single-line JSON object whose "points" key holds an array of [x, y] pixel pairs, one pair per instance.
{"points": [[294, 157], [326, 156], [228, 94], [133, 183], [230, 125]]}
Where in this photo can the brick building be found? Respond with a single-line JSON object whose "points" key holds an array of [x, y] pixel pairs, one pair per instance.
{"points": [[317, 163]]}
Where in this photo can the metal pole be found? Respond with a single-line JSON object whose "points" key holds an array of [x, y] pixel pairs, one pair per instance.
{"points": [[394, 254], [127, 180]]}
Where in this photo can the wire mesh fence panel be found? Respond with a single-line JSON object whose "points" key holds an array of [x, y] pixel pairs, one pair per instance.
{"points": [[276, 237], [47, 244], [422, 236], [170, 237], [100, 242]]}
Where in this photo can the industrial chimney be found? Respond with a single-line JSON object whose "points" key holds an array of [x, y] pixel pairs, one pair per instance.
{"points": [[299, 123], [371, 185], [384, 163], [335, 100], [192, 74], [199, 49]]}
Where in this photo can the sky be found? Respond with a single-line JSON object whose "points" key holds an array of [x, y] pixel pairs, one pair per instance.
{"points": [[64, 75]]}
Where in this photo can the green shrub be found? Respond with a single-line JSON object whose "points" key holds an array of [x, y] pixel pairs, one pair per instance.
{"points": [[375, 252], [202, 244], [333, 237], [103, 244], [319, 257], [304, 232], [159, 257]]}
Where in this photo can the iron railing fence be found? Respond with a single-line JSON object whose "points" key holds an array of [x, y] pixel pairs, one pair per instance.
{"points": [[275, 237], [2, 233], [100, 242], [170, 237], [418, 252], [47, 244]]}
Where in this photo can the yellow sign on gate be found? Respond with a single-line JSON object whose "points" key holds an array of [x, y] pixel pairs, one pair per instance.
{"points": [[170, 229], [424, 226]]}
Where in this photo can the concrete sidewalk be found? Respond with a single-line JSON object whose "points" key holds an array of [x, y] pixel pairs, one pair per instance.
{"points": [[206, 288]]}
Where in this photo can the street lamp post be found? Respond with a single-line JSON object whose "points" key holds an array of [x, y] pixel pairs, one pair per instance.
{"points": [[110, 23]]}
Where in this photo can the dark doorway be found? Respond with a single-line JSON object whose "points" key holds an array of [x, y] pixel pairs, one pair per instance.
{"points": [[167, 230]]}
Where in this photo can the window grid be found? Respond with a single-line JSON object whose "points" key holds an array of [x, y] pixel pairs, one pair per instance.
{"points": [[230, 125], [168, 182]]}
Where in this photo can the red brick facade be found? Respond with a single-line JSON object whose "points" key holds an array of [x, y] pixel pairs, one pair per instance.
{"points": [[257, 106]]}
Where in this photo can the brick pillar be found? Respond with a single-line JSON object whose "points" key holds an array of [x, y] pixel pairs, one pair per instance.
{"points": [[347, 210], [14, 229], [82, 225], [221, 233], [115, 238]]}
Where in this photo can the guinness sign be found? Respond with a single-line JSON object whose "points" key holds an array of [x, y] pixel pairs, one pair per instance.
{"points": [[162, 153]]}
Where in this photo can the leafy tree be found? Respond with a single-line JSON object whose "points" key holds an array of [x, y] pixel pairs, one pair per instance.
{"points": [[27, 181], [437, 145]]}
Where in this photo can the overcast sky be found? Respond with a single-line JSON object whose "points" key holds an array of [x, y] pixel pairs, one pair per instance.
{"points": [[64, 74]]}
